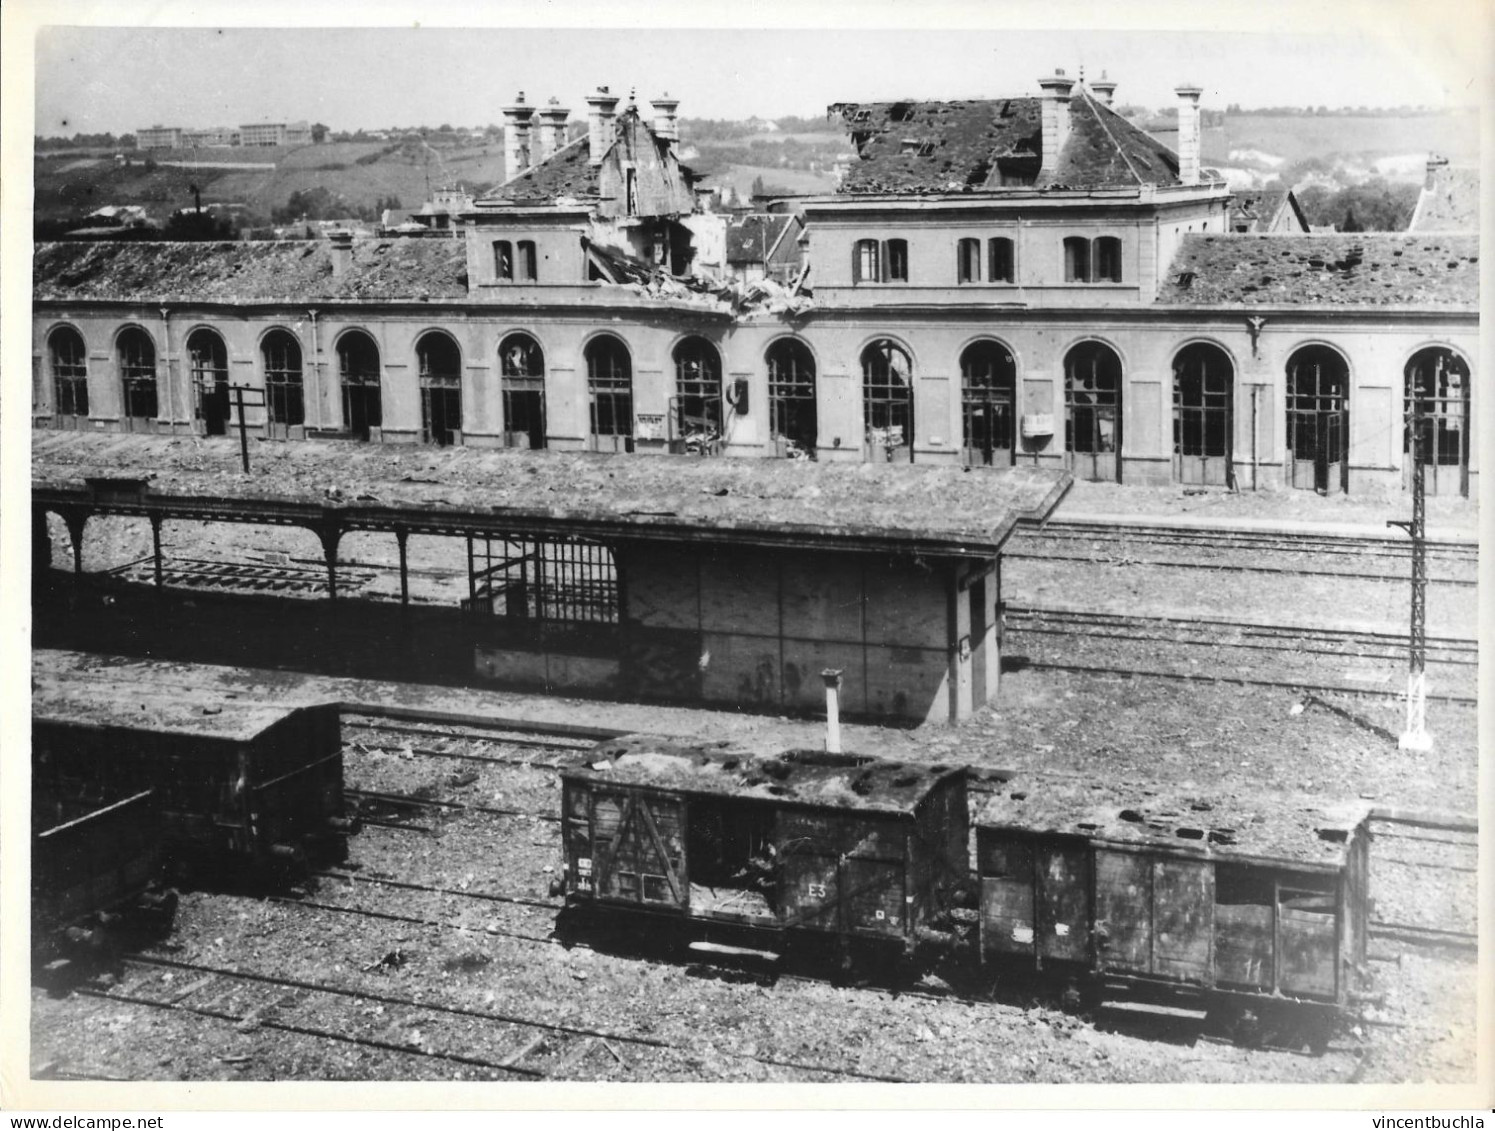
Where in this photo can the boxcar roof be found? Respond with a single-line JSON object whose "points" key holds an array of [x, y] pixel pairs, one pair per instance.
{"points": [[96, 699], [798, 777], [1182, 817], [914, 508]]}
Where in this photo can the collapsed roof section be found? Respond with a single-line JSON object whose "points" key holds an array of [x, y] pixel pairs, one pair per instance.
{"points": [[610, 264], [985, 145]]}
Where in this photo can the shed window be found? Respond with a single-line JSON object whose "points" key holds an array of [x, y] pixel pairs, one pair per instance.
{"points": [[968, 261], [283, 393], [69, 372], [999, 260], [137, 371]]}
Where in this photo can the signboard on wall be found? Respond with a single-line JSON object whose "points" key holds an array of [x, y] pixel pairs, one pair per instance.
{"points": [[649, 426]]}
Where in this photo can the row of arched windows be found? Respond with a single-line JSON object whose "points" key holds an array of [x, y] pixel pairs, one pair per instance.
{"points": [[1436, 391]]}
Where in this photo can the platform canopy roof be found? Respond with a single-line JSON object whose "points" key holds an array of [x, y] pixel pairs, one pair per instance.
{"points": [[895, 508], [1179, 816], [797, 777]]}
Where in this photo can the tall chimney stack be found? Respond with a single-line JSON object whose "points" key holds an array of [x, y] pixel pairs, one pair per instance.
{"points": [[342, 252], [666, 125], [832, 677], [1056, 90], [552, 128], [516, 137], [1188, 133], [600, 108], [1105, 90]]}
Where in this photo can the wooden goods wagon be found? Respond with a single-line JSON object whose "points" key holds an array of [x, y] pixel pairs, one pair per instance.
{"points": [[804, 843], [1245, 905], [236, 781], [89, 861]]}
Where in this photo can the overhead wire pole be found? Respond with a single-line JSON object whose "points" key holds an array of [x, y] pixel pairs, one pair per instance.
{"points": [[1416, 737]]}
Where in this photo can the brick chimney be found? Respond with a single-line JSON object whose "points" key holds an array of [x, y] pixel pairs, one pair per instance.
{"points": [[342, 252], [666, 125], [1188, 133], [1105, 90], [516, 137], [1056, 90], [552, 127], [600, 109]]}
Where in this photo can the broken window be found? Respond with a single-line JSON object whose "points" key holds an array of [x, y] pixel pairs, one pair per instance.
{"points": [[630, 181], [440, 362], [1092, 402], [1076, 259], [208, 359], [522, 379], [358, 371], [1437, 386], [610, 388], [791, 397], [999, 260], [988, 376], [1107, 259], [1202, 380], [137, 372], [968, 261], [888, 402], [283, 392], [1318, 418], [570, 580], [503, 260], [69, 372], [525, 265], [698, 397]]}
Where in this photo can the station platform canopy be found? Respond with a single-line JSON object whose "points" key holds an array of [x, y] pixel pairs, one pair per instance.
{"points": [[895, 508]]}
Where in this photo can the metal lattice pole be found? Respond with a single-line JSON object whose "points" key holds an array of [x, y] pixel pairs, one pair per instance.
{"points": [[1416, 736]]}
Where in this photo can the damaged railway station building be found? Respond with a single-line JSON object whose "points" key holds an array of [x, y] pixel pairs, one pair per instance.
{"points": [[1028, 279]]}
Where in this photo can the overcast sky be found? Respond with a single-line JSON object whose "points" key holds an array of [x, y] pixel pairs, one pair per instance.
{"points": [[92, 79]]}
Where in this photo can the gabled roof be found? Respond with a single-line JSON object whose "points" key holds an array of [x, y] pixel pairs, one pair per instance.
{"points": [[1277, 210], [249, 271], [913, 146], [1449, 201], [1350, 270]]}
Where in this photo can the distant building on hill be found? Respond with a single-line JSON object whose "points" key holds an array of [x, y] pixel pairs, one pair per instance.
{"points": [[275, 133]]}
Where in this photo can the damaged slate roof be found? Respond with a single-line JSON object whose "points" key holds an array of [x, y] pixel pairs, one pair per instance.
{"points": [[752, 238], [1342, 270], [250, 271], [799, 777], [1180, 816], [1449, 201], [567, 173], [948, 510], [913, 146]]}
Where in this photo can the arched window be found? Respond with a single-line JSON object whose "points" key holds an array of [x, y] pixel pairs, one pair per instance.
{"points": [[1202, 382], [521, 364], [1076, 259], [888, 402], [1092, 417], [137, 373], [988, 376], [698, 397], [1437, 390], [791, 398], [208, 360], [1318, 419], [358, 374], [610, 389], [968, 261], [1000, 260], [440, 362], [283, 391], [69, 372]]}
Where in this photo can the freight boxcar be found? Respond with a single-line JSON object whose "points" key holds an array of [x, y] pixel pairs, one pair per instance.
{"points": [[89, 864], [1255, 910], [799, 847], [239, 783]]}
